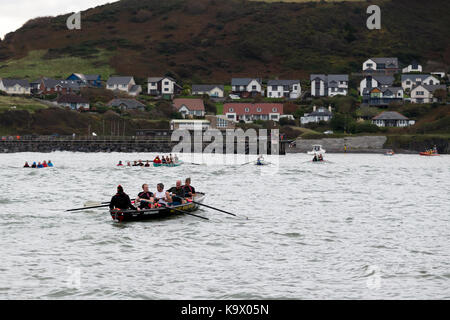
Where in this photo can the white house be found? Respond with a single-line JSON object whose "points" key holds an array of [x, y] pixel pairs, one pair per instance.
{"points": [[425, 93], [392, 119], [158, 86], [290, 89], [412, 80], [247, 87], [15, 86], [190, 107], [382, 96], [413, 67], [329, 85], [212, 90], [321, 114], [249, 112], [387, 65], [125, 84], [370, 82]]}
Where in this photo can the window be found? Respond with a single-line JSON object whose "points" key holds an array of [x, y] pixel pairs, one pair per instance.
{"points": [[270, 93], [295, 87], [274, 88], [408, 82], [247, 110], [258, 109], [274, 110], [166, 83], [230, 110], [166, 89], [253, 87]]}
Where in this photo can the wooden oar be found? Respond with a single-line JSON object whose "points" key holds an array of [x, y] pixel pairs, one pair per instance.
{"points": [[220, 210], [86, 208], [188, 213]]}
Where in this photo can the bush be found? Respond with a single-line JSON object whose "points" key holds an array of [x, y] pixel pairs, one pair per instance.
{"points": [[366, 127]]}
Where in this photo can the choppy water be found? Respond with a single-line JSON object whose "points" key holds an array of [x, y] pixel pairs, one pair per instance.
{"points": [[361, 226]]}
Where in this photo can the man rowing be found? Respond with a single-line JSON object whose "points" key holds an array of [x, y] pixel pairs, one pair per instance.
{"points": [[178, 194], [161, 196], [121, 200], [146, 198], [26, 165], [189, 190]]}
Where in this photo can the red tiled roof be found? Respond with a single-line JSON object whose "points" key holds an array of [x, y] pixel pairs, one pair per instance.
{"points": [[191, 104], [265, 108]]}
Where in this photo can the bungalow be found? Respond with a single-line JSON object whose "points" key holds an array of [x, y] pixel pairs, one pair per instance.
{"points": [[125, 84], [413, 67], [52, 86], [425, 93], [245, 87], [329, 85], [290, 89], [73, 102], [190, 107], [392, 119], [412, 80], [15, 86], [381, 65], [91, 80], [212, 90], [318, 115], [249, 112], [382, 96], [370, 82], [126, 104], [165, 86]]}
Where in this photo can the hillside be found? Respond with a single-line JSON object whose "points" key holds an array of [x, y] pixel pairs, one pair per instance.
{"points": [[212, 40]]}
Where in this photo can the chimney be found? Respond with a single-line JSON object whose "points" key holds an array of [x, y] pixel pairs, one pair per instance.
{"points": [[314, 108], [329, 108]]}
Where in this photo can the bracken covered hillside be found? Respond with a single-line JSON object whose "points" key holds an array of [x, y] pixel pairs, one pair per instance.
{"points": [[212, 40]]}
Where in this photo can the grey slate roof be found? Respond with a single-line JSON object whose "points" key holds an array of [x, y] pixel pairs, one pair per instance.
{"points": [[395, 90], [12, 82], [390, 115], [130, 103], [206, 87], [68, 84], [385, 80], [157, 79], [282, 82], [413, 77], [243, 81], [119, 81], [320, 76], [389, 62], [432, 88], [321, 112], [332, 80]]}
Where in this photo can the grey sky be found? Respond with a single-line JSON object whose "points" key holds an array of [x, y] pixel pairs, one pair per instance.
{"points": [[13, 14]]}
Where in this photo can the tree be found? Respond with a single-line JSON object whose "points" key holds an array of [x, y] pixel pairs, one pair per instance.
{"points": [[441, 95]]}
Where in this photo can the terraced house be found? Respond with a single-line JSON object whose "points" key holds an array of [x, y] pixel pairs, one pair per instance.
{"points": [[290, 89], [247, 87], [124, 84], [15, 86], [329, 85], [249, 112]]}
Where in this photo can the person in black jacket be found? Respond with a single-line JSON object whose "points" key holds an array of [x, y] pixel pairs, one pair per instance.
{"points": [[189, 190], [145, 195], [121, 200]]}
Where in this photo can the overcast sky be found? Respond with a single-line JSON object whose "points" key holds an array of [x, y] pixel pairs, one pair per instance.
{"points": [[14, 13]]}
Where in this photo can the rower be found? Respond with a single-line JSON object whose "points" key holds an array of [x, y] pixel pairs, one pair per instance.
{"points": [[320, 157], [177, 194], [147, 164], [163, 160], [128, 164], [176, 159], [120, 164], [146, 198], [162, 196], [44, 164], [189, 190], [140, 163], [260, 160], [135, 164], [157, 160], [40, 165], [26, 165], [34, 165], [315, 159], [121, 200], [50, 164]]}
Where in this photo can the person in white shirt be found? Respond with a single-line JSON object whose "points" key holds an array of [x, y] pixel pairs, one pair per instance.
{"points": [[162, 196]]}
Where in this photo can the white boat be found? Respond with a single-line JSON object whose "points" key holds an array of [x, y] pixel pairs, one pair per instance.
{"points": [[317, 149]]}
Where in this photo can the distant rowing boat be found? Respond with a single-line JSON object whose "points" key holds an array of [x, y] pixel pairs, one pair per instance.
{"points": [[177, 164], [157, 213]]}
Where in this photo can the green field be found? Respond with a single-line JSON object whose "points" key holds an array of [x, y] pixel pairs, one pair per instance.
{"points": [[8, 103], [34, 66]]}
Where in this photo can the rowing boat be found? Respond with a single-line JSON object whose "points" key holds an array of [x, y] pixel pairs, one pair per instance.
{"points": [[177, 164], [429, 154], [157, 213]]}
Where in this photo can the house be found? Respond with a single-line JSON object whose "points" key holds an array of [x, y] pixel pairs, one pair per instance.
{"points": [[89, 80], [329, 85], [245, 87], [382, 96], [387, 66], [73, 102], [392, 119], [190, 107], [15, 86], [126, 104], [370, 82], [413, 67], [249, 112], [425, 93], [163, 86], [290, 89], [440, 74], [318, 115], [412, 80], [212, 90], [125, 84], [52, 86]]}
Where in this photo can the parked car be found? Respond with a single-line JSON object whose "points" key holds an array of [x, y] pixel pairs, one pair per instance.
{"points": [[328, 132], [234, 97]]}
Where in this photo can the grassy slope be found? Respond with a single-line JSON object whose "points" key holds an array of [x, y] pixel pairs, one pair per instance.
{"points": [[34, 66], [20, 103]]}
